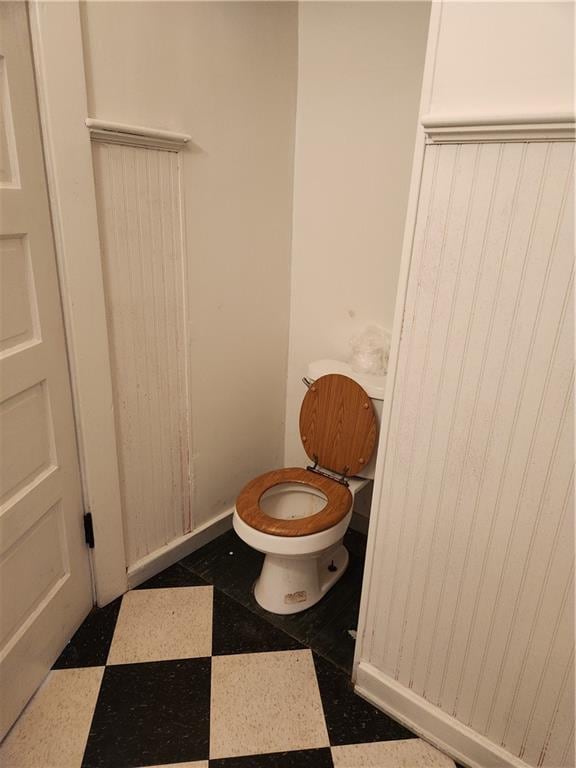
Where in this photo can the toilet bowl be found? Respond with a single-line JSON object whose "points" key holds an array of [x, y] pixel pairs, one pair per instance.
{"points": [[298, 517], [297, 570]]}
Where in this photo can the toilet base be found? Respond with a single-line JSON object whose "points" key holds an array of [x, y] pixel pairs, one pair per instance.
{"points": [[293, 584]]}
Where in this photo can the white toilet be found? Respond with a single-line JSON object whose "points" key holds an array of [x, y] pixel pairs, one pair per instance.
{"points": [[297, 517]]}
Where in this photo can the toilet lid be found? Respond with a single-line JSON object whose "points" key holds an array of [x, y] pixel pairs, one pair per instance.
{"points": [[338, 424]]}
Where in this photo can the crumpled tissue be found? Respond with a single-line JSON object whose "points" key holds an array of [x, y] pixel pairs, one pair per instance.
{"points": [[370, 350]]}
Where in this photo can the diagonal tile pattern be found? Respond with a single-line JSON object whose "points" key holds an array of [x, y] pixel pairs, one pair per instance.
{"points": [[349, 718], [52, 730], [307, 758], [162, 624], [390, 754], [236, 630], [265, 702], [232, 567], [182, 673], [90, 645], [151, 714]]}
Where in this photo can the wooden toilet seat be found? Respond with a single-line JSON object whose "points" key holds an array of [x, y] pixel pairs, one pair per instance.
{"points": [[339, 503], [338, 429]]}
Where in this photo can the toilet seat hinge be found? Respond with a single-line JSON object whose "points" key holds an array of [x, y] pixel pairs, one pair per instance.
{"points": [[331, 476]]}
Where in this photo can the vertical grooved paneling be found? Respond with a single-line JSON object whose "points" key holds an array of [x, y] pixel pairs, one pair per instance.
{"points": [[139, 209], [567, 754], [481, 193], [454, 246], [424, 302], [473, 590], [393, 526], [527, 435]]}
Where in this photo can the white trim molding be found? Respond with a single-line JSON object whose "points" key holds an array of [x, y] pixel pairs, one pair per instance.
{"points": [[62, 98], [169, 554], [136, 135], [466, 129], [431, 723]]}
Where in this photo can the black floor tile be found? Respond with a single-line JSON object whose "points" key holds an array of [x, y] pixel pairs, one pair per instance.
{"points": [[175, 576], [335, 642], [331, 637], [307, 758], [227, 563], [350, 719], [90, 645], [150, 714], [355, 543], [235, 629], [233, 567]]}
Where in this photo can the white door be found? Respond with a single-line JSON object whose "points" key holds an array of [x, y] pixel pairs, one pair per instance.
{"points": [[45, 585]]}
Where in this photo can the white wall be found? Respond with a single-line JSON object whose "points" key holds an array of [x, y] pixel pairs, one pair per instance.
{"points": [[506, 57], [359, 74], [467, 619], [226, 74]]}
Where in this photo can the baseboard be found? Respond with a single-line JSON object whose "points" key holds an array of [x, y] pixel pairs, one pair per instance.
{"points": [[162, 558], [431, 723]]}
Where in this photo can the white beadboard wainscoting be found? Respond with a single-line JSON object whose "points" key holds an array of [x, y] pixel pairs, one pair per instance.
{"points": [[468, 614], [139, 207]]}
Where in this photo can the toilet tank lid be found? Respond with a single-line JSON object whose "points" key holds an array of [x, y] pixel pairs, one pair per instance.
{"points": [[374, 386]]}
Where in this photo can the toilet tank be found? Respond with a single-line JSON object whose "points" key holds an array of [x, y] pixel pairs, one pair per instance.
{"points": [[374, 386]]}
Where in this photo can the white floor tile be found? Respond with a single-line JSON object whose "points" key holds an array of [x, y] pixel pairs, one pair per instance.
{"points": [[408, 753], [162, 624], [53, 729], [201, 764], [265, 702]]}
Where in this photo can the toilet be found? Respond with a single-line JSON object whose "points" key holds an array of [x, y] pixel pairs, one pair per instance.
{"points": [[297, 517]]}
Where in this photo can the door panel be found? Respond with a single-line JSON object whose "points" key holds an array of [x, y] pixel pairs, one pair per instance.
{"points": [[45, 586]]}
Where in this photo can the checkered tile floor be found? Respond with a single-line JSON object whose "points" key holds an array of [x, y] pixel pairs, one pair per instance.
{"points": [[176, 673]]}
